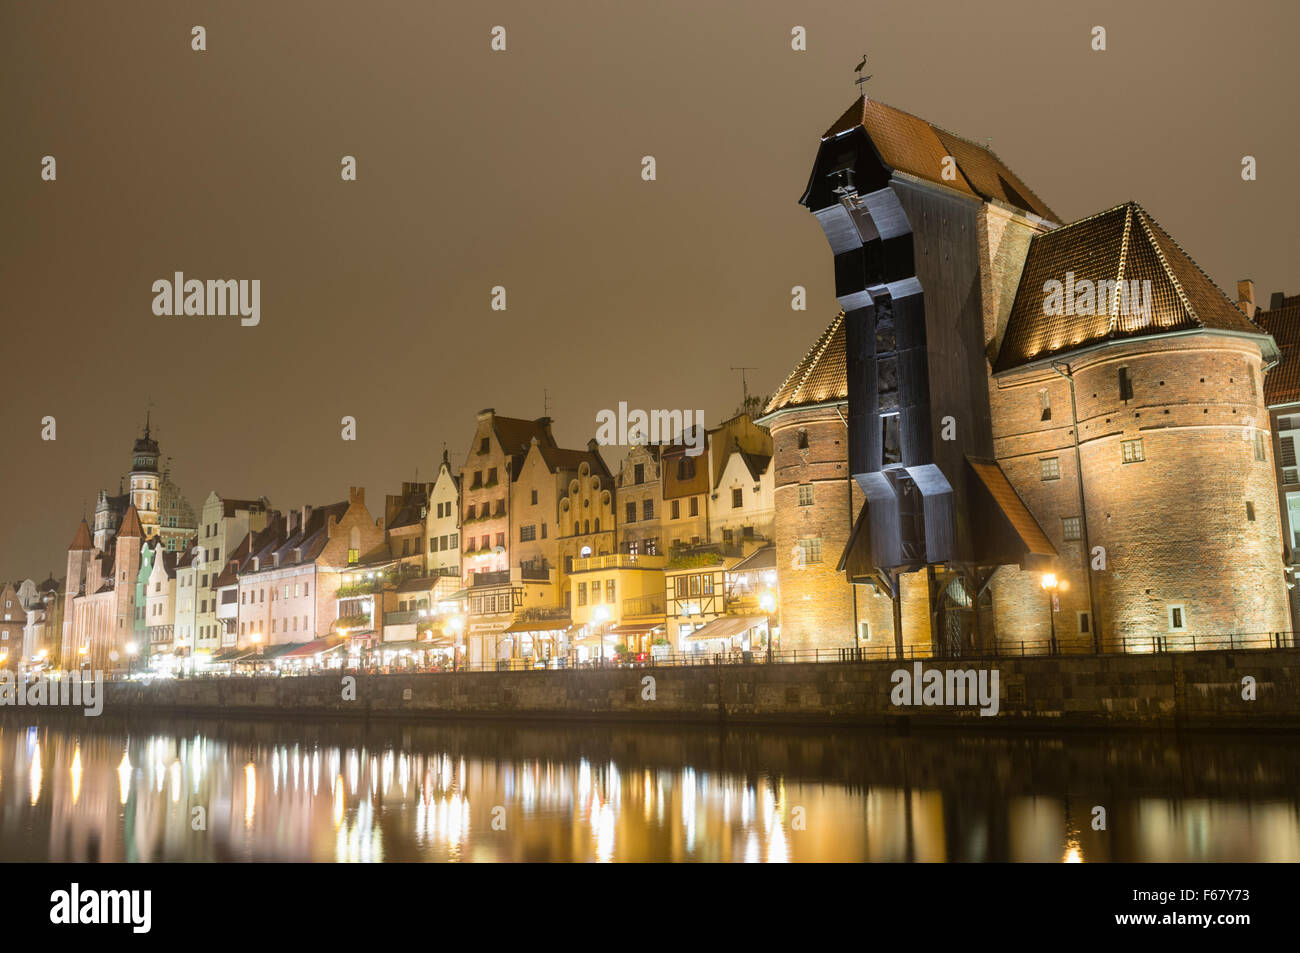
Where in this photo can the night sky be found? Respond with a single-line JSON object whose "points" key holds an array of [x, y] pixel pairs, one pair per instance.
{"points": [[522, 169]]}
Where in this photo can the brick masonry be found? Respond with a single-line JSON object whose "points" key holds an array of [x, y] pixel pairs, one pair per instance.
{"points": [[1195, 689]]}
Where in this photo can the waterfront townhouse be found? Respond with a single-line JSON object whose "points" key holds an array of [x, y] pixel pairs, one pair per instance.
{"points": [[741, 505], [159, 638], [223, 523], [297, 588], [721, 602], [13, 619], [443, 526], [43, 629], [185, 627], [686, 488], [638, 501], [495, 459]]}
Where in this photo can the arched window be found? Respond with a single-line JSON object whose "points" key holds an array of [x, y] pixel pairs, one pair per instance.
{"points": [[586, 527]]}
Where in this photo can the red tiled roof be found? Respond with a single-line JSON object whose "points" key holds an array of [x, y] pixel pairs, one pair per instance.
{"points": [[1282, 383], [1123, 244], [913, 145], [82, 539], [131, 524]]}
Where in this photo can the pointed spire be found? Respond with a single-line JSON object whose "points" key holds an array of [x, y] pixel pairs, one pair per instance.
{"points": [[131, 524], [82, 540]]}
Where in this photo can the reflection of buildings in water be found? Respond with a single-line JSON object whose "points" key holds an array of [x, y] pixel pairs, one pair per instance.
{"points": [[84, 809], [649, 796]]}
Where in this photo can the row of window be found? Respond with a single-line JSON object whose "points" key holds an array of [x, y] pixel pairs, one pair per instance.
{"points": [[647, 510], [610, 591], [258, 625], [439, 544]]}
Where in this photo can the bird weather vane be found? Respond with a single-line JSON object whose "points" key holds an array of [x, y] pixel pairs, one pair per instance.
{"points": [[861, 80]]}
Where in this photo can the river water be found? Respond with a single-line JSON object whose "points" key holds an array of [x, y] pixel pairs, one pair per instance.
{"points": [[197, 790]]}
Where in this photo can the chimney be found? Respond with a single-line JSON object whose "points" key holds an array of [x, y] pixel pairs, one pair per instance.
{"points": [[1277, 301], [1246, 297], [356, 494], [593, 446]]}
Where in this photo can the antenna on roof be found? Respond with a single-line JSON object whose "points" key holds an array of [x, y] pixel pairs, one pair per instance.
{"points": [[861, 80], [546, 403], [744, 385]]}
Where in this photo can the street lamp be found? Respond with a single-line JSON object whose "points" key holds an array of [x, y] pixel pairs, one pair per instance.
{"points": [[131, 650], [1050, 586], [457, 625], [600, 615], [767, 602]]}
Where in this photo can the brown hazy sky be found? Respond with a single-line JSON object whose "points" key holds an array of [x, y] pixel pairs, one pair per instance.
{"points": [[523, 169]]}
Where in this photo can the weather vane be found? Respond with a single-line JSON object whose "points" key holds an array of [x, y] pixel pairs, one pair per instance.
{"points": [[861, 80]]}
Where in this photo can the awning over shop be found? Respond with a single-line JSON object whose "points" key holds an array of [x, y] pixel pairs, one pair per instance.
{"points": [[231, 655], [309, 649], [540, 625], [635, 628], [726, 627]]}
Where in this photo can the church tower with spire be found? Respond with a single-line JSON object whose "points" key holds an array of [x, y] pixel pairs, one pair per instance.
{"points": [[145, 479]]}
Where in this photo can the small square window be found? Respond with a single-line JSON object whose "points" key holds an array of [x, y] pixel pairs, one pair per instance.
{"points": [[1071, 527], [805, 494], [1049, 468], [1131, 451]]}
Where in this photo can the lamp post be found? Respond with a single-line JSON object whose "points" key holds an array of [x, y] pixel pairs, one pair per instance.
{"points": [[1050, 586], [767, 602], [600, 615], [457, 625], [131, 650]]}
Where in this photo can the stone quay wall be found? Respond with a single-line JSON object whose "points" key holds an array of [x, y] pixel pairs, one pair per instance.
{"points": [[1185, 689]]}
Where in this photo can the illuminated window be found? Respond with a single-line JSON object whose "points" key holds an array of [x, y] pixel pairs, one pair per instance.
{"points": [[805, 494], [1131, 451]]}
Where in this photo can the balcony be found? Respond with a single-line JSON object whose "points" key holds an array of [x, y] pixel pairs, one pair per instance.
{"points": [[501, 578], [643, 606], [619, 561]]}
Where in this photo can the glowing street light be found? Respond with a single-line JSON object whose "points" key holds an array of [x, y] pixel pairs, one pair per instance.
{"points": [[767, 602], [1050, 585], [600, 615]]}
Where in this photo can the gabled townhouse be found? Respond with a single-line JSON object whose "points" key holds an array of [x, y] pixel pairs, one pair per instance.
{"points": [[686, 487], [638, 501], [222, 524], [185, 629], [495, 459], [292, 597], [253, 619], [741, 506], [13, 619], [43, 631], [444, 527], [158, 640]]}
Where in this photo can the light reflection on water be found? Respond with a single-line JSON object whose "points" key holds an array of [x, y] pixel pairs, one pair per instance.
{"points": [[203, 790]]}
